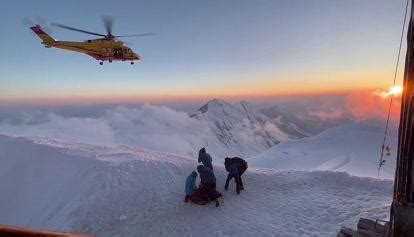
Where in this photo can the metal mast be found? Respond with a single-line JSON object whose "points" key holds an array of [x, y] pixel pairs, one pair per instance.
{"points": [[402, 209]]}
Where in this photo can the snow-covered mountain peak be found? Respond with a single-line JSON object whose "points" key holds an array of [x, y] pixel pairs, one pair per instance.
{"points": [[244, 128], [218, 108], [217, 102], [240, 127], [233, 112]]}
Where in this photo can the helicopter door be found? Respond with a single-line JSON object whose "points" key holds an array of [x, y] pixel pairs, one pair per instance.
{"points": [[106, 51], [109, 51]]}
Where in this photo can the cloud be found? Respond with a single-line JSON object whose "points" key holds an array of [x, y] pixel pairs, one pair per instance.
{"points": [[329, 114], [164, 129], [159, 128], [327, 108], [353, 107], [373, 105], [153, 127], [86, 130]]}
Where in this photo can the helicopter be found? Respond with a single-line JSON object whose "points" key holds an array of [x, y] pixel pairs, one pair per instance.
{"points": [[103, 49]]}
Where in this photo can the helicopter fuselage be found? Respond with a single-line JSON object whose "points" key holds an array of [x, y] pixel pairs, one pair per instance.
{"points": [[101, 49]]}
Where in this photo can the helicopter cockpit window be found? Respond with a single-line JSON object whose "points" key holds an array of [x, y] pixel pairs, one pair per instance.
{"points": [[118, 52], [125, 51]]}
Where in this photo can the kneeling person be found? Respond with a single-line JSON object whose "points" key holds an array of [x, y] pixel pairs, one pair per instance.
{"points": [[190, 185], [207, 191]]}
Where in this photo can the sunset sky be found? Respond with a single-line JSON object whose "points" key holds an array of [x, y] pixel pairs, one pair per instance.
{"points": [[203, 49]]}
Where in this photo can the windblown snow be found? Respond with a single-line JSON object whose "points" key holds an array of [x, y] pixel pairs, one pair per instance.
{"points": [[124, 191]]}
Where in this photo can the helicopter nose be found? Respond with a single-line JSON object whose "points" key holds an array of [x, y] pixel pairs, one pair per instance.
{"points": [[136, 56]]}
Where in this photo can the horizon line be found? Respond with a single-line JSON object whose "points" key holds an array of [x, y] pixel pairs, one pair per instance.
{"points": [[131, 99]]}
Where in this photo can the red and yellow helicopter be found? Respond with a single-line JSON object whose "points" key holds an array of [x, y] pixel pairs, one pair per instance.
{"points": [[103, 49]]}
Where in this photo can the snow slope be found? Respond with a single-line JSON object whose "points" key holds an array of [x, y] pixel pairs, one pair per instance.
{"points": [[123, 191], [352, 148]]}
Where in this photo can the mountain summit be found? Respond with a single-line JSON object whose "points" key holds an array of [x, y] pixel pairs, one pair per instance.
{"points": [[245, 129]]}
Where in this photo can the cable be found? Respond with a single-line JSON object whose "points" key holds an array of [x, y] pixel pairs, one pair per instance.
{"points": [[392, 95]]}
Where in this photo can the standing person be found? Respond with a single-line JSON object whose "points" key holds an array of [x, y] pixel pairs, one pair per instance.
{"points": [[205, 158], [236, 167], [242, 168], [208, 184], [190, 185]]}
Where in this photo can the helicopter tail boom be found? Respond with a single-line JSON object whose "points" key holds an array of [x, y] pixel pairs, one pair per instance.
{"points": [[47, 40]]}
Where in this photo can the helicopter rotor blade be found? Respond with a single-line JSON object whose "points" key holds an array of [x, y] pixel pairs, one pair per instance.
{"points": [[136, 35], [108, 22], [127, 43], [76, 29]]}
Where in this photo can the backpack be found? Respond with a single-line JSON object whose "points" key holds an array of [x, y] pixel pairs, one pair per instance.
{"points": [[241, 162]]}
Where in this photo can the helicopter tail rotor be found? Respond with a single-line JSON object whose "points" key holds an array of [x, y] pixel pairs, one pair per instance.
{"points": [[29, 22]]}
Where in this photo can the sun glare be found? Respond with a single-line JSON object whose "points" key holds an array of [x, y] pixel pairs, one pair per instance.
{"points": [[395, 90]]}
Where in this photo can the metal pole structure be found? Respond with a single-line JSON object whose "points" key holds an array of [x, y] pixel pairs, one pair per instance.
{"points": [[402, 208]]}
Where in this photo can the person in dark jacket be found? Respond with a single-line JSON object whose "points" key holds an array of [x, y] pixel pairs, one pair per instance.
{"points": [[205, 158], [207, 189], [190, 185], [206, 176], [236, 167]]}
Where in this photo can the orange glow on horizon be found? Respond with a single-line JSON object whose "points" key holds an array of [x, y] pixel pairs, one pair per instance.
{"points": [[261, 86], [313, 82], [131, 98]]}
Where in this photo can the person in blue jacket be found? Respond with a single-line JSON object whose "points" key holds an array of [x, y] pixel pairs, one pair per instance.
{"points": [[190, 185], [205, 158]]}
